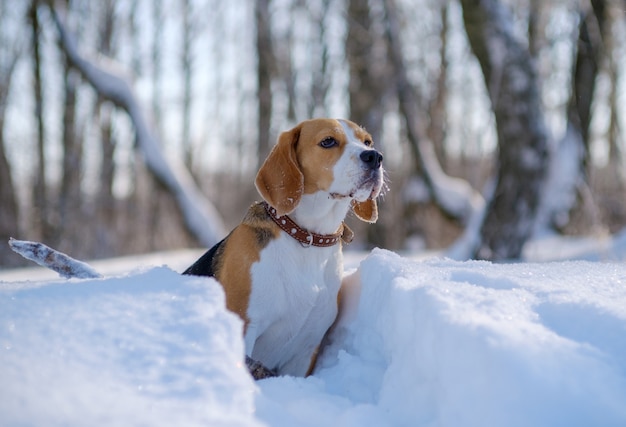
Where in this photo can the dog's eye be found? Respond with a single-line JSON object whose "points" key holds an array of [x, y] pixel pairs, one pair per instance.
{"points": [[368, 143], [328, 142]]}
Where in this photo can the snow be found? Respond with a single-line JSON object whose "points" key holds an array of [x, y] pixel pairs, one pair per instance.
{"points": [[428, 342], [149, 348]]}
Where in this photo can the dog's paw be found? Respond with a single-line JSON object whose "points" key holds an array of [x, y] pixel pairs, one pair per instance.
{"points": [[257, 370]]}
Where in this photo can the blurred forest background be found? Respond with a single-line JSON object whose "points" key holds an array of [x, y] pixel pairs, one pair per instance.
{"points": [[499, 120]]}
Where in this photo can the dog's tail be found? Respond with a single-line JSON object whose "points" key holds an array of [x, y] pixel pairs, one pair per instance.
{"points": [[50, 258]]}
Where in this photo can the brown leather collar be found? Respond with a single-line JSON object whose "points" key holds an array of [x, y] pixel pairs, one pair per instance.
{"points": [[308, 238]]}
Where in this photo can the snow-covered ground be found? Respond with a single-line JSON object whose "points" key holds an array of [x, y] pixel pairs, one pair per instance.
{"points": [[424, 342]]}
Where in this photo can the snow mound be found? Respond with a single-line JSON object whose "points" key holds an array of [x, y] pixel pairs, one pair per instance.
{"points": [[151, 348], [421, 343], [445, 343]]}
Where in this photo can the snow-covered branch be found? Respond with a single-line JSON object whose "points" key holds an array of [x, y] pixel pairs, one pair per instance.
{"points": [[455, 196], [201, 217], [47, 257]]}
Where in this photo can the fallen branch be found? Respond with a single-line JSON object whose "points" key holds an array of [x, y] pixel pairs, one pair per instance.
{"points": [[45, 256]]}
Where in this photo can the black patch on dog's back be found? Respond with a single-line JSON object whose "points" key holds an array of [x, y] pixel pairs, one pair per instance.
{"points": [[257, 221], [205, 265]]}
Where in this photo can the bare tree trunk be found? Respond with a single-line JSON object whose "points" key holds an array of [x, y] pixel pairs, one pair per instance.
{"points": [[133, 18], [321, 79], [105, 201], [69, 194], [157, 46], [265, 61], [535, 27], [588, 60], [284, 52], [136, 171], [437, 109], [9, 219], [159, 199], [9, 224], [616, 155], [366, 57], [40, 190], [522, 137], [187, 67]]}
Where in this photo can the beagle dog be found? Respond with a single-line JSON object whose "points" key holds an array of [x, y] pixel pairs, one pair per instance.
{"points": [[281, 268]]}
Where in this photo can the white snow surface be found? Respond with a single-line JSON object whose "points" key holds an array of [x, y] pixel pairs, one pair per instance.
{"points": [[429, 342]]}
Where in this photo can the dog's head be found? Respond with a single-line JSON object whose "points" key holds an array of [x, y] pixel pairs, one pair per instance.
{"points": [[333, 156]]}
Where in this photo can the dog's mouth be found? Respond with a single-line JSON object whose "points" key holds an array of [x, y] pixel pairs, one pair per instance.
{"points": [[376, 186], [369, 187]]}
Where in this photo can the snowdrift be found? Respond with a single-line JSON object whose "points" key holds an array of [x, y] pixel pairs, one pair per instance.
{"points": [[428, 343], [148, 349]]}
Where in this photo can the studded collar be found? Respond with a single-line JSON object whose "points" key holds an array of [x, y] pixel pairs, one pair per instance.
{"points": [[308, 238]]}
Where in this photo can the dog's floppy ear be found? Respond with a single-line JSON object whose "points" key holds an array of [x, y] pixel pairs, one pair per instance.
{"points": [[366, 211], [280, 180]]}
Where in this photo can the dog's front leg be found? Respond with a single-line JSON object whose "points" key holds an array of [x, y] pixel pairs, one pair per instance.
{"points": [[256, 368]]}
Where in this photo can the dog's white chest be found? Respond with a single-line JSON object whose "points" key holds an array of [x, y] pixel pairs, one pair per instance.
{"points": [[293, 303]]}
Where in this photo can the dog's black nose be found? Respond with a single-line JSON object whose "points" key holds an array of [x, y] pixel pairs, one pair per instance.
{"points": [[372, 158]]}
